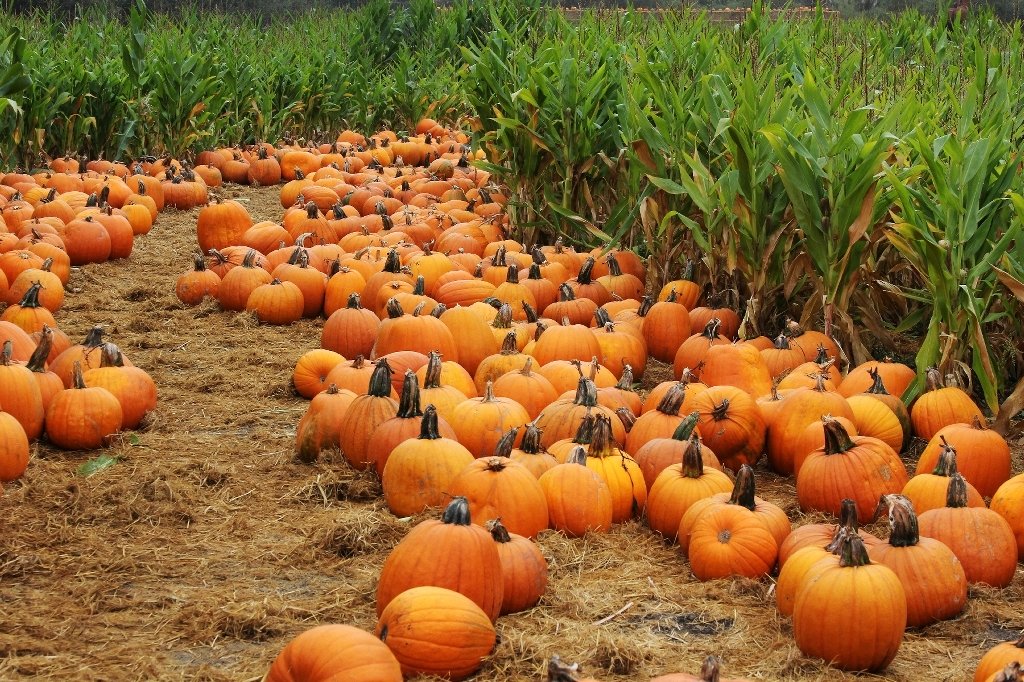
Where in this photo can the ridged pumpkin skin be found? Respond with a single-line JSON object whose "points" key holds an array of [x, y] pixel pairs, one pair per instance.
{"points": [[852, 614], [319, 428], [860, 468], [364, 416], [896, 377], [134, 389], [927, 491], [311, 371], [980, 538], [1008, 502], [661, 453], [481, 422], [221, 224], [982, 455], [452, 553], [498, 488], [524, 569], [796, 410], [806, 562], [14, 448], [82, 418], [20, 395], [932, 576], [194, 285], [731, 425], [729, 540], [739, 365], [335, 653], [579, 500], [941, 406], [873, 418], [434, 631], [619, 471]]}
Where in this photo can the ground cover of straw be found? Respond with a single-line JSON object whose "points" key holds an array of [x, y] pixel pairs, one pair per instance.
{"points": [[207, 547]]}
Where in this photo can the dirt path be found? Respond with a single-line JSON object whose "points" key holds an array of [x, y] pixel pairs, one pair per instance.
{"points": [[206, 547]]}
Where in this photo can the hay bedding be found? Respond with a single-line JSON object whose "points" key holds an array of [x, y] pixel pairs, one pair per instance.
{"points": [[206, 547]]}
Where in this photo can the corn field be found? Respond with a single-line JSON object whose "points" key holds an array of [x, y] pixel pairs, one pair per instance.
{"points": [[865, 173]]}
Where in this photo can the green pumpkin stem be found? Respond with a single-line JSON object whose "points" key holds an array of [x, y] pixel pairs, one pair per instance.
{"points": [[743, 489], [380, 380], [687, 427], [956, 493], [409, 403], [457, 512], [853, 553], [837, 440]]}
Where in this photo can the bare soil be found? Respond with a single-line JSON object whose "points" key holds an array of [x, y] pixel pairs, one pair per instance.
{"points": [[207, 547]]}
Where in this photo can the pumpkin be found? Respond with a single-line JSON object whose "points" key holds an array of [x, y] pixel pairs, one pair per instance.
{"points": [[739, 365], [783, 357], [1008, 502], [335, 652], [983, 456], [20, 394], [312, 369], [238, 284], [731, 425], [276, 302], [851, 614], [452, 553], [365, 415], [941, 405], [82, 417], [418, 472], [997, 658], [481, 422], [710, 671], [585, 286], [51, 289], [666, 326], [312, 283], [420, 333], [319, 428], [980, 538], [679, 485], [878, 391], [562, 418], [659, 423], [692, 351], [795, 411], [444, 397], [436, 631], [813, 438], [14, 448], [530, 389], [932, 577], [352, 330], [860, 468], [86, 241], [579, 500], [524, 570], [194, 285], [896, 377], [29, 314], [874, 418], [730, 540], [566, 342], [569, 307], [134, 389], [743, 494], [476, 342], [405, 425], [49, 383], [497, 487], [928, 490], [221, 224], [621, 347]]}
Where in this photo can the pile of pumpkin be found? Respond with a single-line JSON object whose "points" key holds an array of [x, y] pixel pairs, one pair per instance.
{"points": [[78, 395], [457, 362]]}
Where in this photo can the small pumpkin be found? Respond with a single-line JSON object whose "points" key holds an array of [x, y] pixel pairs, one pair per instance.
{"points": [[335, 652], [523, 568], [82, 417], [579, 500], [941, 405]]}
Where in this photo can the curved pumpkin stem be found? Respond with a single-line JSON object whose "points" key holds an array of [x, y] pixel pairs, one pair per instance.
{"points": [[394, 309], [902, 520], [672, 401], [504, 446], [531, 439], [710, 669], [877, 385], [76, 376], [585, 275], [627, 418], [36, 363], [946, 464], [353, 302], [852, 552], [743, 490], [933, 379], [8, 350], [498, 531], [687, 427], [601, 442], [531, 314], [837, 440], [457, 512], [110, 356], [503, 320]]}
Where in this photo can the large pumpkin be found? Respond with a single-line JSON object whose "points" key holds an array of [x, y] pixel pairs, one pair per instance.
{"points": [[436, 631], [330, 653], [982, 455], [579, 500], [941, 405], [497, 487], [82, 418]]}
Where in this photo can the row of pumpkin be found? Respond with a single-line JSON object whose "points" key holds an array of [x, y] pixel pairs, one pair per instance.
{"points": [[518, 429], [78, 395]]}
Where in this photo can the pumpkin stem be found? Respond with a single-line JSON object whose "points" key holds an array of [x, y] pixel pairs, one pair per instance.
{"points": [[627, 418], [76, 376], [672, 401], [902, 520], [614, 269], [721, 412], [380, 380], [94, 339], [504, 446], [409, 404], [852, 552], [693, 461], [586, 270], [198, 262], [847, 524], [332, 389], [710, 669], [534, 271], [509, 345], [977, 424], [394, 309], [428, 425], [626, 380], [577, 456], [956, 493], [498, 531], [837, 440], [782, 342], [585, 432], [513, 275], [433, 375], [503, 320], [457, 512], [420, 287], [933, 378], [601, 442], [946, 464], [353, 302], [586, 393], [711, 328], [877, 385], [743, 488], [822, 357], [110, 356], [8, 350], [36, 363], [489, 392], [565, 293], [645, 305], [439, 310], [393, 264], [687, 427], [31, 297], [531, 439], [358, 362], [531, 314], [601, 318]]}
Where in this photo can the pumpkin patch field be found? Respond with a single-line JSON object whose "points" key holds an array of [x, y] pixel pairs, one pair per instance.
{"points": [[545, 346]]}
